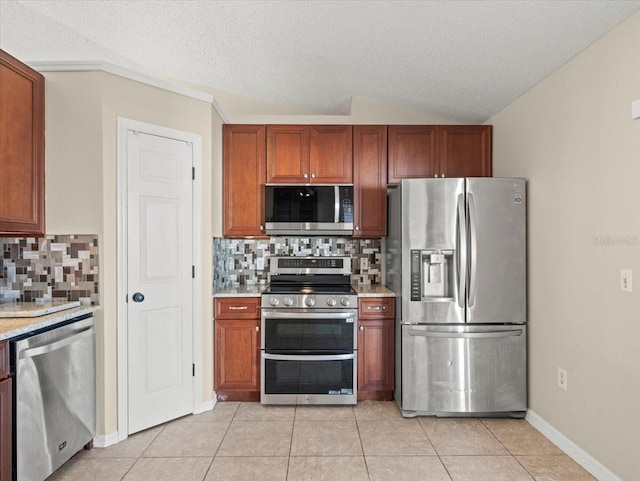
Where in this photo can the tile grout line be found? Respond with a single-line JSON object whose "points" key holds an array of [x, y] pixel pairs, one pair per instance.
{"points": [[219, 445], [435, 450]]}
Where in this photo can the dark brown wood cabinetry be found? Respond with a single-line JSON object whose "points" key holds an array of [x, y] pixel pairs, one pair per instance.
{"points": [[5, 414], [420, 151], [244, 173], [237, 348], [370, 180], [22, 167], [376, 348], [320, 154]]}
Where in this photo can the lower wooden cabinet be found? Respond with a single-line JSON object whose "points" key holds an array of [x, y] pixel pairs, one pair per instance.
{"points": [[237, 349], [5, 415], [376, 348]]}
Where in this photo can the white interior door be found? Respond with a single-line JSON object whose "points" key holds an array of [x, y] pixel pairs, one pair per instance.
{"points": [[159, 279]]}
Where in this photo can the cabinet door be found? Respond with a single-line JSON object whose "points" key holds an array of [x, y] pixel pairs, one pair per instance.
{"points": [[237, 366], [412, 152], [288, 154], [5, 430], [331, 154], [370, 180], [465, 150], [375, 359], [21, 148], [244, 171]]}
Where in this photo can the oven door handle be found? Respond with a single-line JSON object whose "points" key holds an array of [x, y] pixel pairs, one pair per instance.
{"points": [[288, 314], [311, 357]]}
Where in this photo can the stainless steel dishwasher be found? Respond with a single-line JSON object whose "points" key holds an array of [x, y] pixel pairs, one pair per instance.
{"points": [[54, 397]]}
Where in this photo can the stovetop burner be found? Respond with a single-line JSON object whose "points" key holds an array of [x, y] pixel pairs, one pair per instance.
{"points": [[306, 282]]}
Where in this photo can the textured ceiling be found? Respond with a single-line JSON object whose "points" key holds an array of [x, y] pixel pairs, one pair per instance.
{"points": [[461, 60]]}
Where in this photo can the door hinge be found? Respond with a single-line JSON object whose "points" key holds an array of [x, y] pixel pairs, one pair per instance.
{"points": [[193, 173], [193, 272], [126, 298], [193, 370]]}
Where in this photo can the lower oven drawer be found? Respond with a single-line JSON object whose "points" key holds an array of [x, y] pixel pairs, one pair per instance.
{"points": [[308, 378]]}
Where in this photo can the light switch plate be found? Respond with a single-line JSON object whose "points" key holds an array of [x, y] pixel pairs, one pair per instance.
{"points": [[626, 280], [635, 109]]}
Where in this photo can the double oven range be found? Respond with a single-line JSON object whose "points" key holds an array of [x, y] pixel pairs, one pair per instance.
{"points": [[309, 332]]}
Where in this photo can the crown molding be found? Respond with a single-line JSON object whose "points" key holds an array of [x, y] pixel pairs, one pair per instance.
{"points": [[94, 66]]}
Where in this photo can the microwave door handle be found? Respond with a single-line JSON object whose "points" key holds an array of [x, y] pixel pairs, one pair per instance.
{"points": [[336, 208]]}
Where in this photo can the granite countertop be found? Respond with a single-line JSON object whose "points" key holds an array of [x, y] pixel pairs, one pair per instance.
{"points": [[34, 309], [16, 326], [255, 290], [373, 290]]}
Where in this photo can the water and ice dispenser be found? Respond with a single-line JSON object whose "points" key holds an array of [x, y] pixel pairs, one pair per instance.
{"points": [[432, 275]]}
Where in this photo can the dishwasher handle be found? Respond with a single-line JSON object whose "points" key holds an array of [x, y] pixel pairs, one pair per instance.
{"points": [[59, 344]]}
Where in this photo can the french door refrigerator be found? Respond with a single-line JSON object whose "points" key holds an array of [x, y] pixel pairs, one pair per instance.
{"points": [[456, 258]]}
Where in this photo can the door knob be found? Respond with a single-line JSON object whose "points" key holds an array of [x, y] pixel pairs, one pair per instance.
{"points": [[138, 297]]}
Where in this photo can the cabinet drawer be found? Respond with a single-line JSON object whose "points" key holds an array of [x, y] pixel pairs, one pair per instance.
{"points": [[236, 308], [376, 307], [4, 359]]}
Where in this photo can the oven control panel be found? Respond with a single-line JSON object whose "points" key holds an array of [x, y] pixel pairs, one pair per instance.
{"points": [[316, 301]]}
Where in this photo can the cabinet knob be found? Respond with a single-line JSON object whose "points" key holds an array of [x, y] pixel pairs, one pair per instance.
{"points": [[361, 328], [357, 228], [435, 175], [441, 175], [305, 175], [257, 328], [313, 176]]}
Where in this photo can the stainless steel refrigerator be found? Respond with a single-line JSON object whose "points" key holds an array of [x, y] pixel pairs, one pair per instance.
{"points": [[456, 258]]}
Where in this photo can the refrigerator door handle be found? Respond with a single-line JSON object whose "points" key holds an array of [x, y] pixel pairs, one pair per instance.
{"points": [[466, 335], [473, 247], [462, 252]]}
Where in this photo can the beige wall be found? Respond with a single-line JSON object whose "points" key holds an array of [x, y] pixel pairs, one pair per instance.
{"points": [[82, 111], [573, 137]]}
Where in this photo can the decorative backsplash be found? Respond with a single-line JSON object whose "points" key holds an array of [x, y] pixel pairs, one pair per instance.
{"points": [[49, 268], [246, 261]]}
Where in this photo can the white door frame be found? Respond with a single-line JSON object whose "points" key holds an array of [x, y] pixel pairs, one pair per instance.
{"points": [[125, 125]]}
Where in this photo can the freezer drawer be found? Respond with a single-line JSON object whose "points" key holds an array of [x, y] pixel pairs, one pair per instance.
{"points": [[453, 370]]}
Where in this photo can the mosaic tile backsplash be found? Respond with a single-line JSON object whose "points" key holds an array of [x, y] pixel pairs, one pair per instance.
{"points": [[50, 268], [246, 261]]}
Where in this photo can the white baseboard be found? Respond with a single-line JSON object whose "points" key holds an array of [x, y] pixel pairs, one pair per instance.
{"points": [[104, 440], [574, 451], [205, 406]]}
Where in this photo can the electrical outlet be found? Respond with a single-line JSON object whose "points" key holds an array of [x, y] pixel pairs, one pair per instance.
{"points": [[626, 280], [562, 378]]}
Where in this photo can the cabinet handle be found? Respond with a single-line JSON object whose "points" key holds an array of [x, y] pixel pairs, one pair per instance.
{"points": [[238, 308], [361, 328], [305, 175], [257, 328], [376, 308]]}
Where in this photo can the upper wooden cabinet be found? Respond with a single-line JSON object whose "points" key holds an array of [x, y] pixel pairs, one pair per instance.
{"points": [[320, 154], [22, 168], [370, 180], [419, 151], [465, 150], [413, 152], [243, 172]]}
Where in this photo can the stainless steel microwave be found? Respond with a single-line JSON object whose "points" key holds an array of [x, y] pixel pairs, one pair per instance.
{"points": [[308, 209]]}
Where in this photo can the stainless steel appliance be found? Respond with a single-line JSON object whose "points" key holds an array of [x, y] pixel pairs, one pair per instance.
{"points": [[308, 209], [54, 397], [309, 332], [456, 257]]}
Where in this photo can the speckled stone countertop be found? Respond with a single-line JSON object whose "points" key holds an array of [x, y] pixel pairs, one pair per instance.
{"points": [[16, 326], [375, 290], [34, 309]]}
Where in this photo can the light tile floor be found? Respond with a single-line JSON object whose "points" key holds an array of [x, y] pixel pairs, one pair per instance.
{"points": [[367, 442]]}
